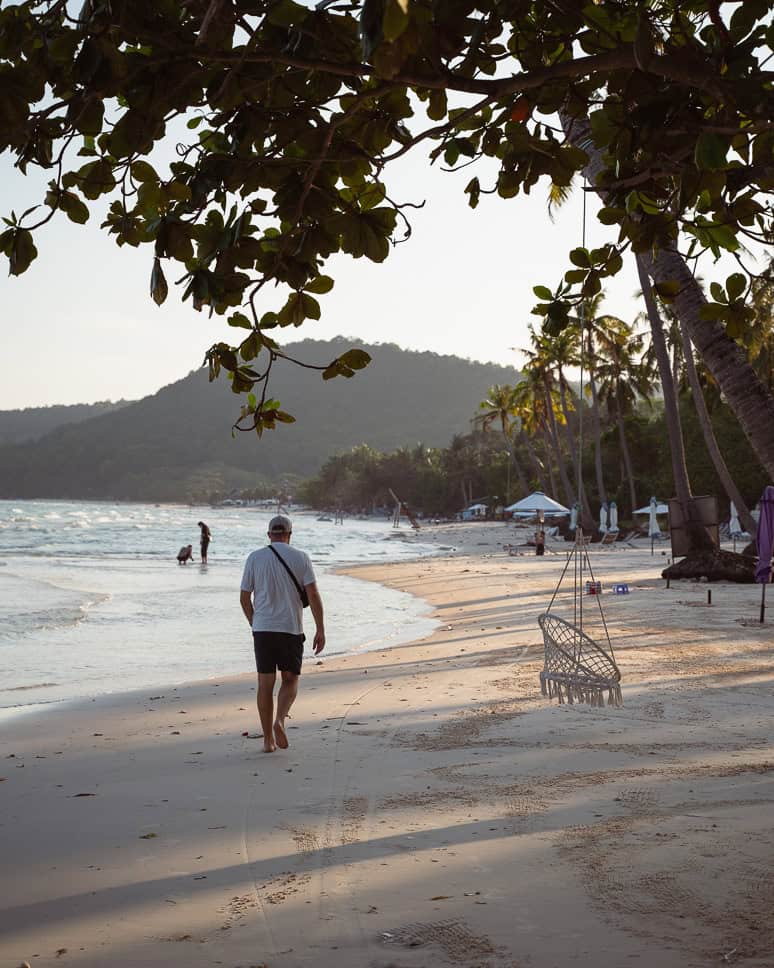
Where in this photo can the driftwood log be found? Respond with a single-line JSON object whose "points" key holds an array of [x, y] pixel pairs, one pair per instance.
{"points": [[714, 565]]}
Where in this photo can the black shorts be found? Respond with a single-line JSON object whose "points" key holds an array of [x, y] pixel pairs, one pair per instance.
{"points": [[278, 650]]}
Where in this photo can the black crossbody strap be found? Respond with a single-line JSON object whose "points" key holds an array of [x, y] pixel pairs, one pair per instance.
{"points": [[287, 569]]}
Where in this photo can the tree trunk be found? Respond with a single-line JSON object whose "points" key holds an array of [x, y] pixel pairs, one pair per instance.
{"points": [[549, 463], [512, 453], [554, 436], [747, 396], [597, 428], [697, 534], [534, 459], [627, 457], [671, 410], [726, 360], [573, 448], [721, 468]]}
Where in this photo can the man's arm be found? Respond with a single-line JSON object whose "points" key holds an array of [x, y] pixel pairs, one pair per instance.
{"points": [[246, 601], [316, 605]]}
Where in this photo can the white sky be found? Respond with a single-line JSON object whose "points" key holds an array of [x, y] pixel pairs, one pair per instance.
{"points": [[79, 325]]}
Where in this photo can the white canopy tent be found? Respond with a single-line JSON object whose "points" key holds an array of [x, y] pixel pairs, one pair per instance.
{"points": [[537, 503]]}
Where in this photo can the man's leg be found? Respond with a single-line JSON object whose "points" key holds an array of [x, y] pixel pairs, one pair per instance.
{"points": [[265, 700], [287, 693]]}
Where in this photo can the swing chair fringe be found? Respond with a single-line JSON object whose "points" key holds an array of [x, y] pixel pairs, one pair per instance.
{"points": [[570, 691]]}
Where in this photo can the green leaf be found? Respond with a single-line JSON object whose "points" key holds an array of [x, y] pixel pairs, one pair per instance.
{"points": [[543, 292], [667, 290], [574, 276], [610, 215], [473, 189], [284, 417], [74, 208], [736, 284], [22, 252], [239, 320], [299, 307], [143, 172], [355, 359], [710, 151], [580, 257], [718, 293], [96, 179], [320, 285], [395, 19], [158, 284], [437, 105]]}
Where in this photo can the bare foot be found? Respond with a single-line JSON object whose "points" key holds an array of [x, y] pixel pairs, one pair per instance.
{"points": [[280, 736], [268, 746]]}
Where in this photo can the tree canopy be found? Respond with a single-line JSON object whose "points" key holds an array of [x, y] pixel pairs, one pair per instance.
{"points": [[286, 117]]}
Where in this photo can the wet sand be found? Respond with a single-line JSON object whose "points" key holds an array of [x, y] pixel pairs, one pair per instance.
{"points": [[433, 808]]}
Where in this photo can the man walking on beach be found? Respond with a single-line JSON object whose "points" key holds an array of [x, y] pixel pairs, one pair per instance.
{"points": [[271, 597]]}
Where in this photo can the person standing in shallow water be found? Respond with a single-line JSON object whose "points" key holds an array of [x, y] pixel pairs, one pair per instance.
{"points": [[204, 540], [270, 595]]}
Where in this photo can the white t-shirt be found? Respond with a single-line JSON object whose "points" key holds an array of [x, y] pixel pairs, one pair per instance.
{"points": [[276, 603]]}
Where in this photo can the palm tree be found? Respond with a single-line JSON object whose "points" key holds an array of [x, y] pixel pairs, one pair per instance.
{"points": [[747, 395], [625, 379], [682, 352], [600, 330], [671, 410], [500, 407], [539, 366], [529, 404]]}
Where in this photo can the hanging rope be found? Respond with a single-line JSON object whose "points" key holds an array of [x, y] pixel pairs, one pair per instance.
{"points": [[576, 668]]}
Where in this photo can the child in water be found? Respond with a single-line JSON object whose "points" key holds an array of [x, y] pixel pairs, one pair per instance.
{"points": [[185, 554]]}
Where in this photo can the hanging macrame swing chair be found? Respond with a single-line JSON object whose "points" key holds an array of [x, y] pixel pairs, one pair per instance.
{"points": [[577, 668]]}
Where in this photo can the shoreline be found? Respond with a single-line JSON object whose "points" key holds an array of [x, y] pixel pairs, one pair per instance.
{"points": [[433, 806]]}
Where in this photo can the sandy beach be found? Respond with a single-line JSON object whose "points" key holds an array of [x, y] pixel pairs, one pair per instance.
{"points": [[433, 808]]}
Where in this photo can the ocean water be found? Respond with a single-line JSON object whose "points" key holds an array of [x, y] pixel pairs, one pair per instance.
{"points": [[92, 599]]}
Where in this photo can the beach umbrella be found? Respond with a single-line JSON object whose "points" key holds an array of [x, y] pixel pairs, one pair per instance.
{"points": [[734, 528], [765, 541], [574, 514], [661, 508], [613, 516], [536, 502], [603, 518], [654, 529]]}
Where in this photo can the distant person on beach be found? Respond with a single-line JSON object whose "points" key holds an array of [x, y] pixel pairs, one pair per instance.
{"points": [[204, 541], [185, 554], [540, 542], [278, 582]]}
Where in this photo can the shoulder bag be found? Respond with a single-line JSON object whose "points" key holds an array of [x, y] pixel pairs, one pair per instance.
{"points": [[301, 589]]}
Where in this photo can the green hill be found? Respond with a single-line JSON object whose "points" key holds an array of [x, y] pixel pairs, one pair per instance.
{"points": [[177, 444], [17, 426]]}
